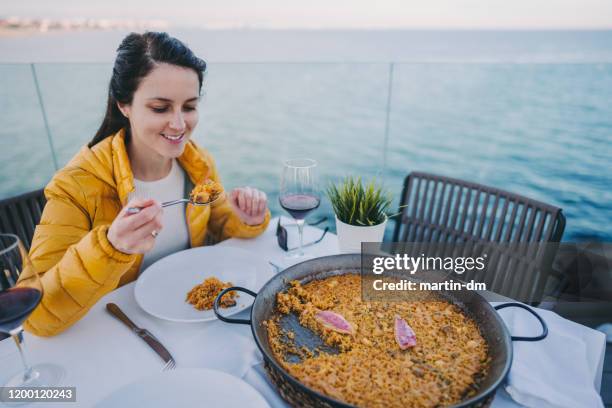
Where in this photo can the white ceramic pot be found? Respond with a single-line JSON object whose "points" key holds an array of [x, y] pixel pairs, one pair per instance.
{"points": [[350, 237]]}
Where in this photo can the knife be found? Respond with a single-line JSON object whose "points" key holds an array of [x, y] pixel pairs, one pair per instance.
{"points": [[142, 333]]}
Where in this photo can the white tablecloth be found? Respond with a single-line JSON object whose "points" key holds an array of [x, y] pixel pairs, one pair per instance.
{"points": [[100, 354]]}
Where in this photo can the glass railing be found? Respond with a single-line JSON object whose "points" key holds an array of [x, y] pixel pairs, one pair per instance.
{"points": [[541, 130], [26, 156]]}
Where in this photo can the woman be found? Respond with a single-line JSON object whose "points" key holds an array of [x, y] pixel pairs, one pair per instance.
{"points": [[87, 243]]}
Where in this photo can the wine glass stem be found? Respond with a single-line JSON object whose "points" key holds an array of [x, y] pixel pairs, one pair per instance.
{"points": [[300, 224], [17, 335]]}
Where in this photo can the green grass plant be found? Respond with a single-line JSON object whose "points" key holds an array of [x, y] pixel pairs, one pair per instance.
{"points": [[356, 203]]}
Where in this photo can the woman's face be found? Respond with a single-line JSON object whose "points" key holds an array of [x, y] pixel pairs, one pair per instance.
{"points": [[163, 112]]}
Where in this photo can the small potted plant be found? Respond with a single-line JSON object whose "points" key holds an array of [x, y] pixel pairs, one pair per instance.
{"points": [[361, 212]]}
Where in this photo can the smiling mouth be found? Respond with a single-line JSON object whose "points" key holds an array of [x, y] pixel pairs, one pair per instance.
{"points": [[173, 138]]}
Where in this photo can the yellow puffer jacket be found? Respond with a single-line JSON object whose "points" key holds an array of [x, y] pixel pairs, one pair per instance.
{"points": [[70, 251]]}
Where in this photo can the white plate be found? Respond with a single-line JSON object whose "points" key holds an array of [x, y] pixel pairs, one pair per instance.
{"points": [[162, 288], [188, 387]]}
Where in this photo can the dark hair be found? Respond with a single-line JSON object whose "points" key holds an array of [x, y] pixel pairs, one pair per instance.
{"points": [[136, 57]]}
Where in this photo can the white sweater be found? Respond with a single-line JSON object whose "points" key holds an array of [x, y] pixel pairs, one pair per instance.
{"points": [[174, 235]]}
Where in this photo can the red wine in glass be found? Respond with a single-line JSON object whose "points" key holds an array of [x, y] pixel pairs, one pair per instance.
{"points": [[21, 292], [16, 304], [299, 193], [299, 205]]}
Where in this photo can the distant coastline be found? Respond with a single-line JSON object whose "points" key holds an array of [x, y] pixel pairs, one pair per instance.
{"points": [[19, 26]]}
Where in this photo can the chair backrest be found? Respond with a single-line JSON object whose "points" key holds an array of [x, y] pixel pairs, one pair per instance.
{"points": [[19, 215], [439, 210]]}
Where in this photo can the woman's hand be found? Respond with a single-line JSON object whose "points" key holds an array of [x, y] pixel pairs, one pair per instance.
{"points": [[250, 204], [135, 233]]}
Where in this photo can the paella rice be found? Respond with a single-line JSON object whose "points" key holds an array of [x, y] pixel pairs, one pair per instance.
{"points": [[371, 370], [206, 192], [203, 295]]}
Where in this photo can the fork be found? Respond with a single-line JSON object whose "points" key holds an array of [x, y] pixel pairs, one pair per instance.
{"points": [[136, 210], [170, 365]]}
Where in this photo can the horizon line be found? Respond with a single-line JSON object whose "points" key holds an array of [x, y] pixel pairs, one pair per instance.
{"points": [[143, 22], [331, 28]]}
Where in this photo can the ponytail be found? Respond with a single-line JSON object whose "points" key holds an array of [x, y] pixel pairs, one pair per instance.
{"points": [[113, 122]]}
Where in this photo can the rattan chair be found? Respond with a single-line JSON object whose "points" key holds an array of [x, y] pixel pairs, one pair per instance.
{"points": [[19, 215], [442, 211]]}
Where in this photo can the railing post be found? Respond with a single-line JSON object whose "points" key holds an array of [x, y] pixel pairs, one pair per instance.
{"points": [[387, 119], [44, 114]]}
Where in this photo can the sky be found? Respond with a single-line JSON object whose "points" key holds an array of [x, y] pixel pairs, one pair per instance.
{"points": [[347, 14]]}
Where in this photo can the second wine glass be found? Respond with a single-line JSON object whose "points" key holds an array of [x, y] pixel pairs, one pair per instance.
{"points": [[299, 193], [20, 293]]}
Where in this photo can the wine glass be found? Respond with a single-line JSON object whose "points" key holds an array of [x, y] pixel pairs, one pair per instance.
{"points": [[17, 302], [299, 193]]}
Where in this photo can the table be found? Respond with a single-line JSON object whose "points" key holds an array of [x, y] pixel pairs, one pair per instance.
{"points": [[100, 354]]}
